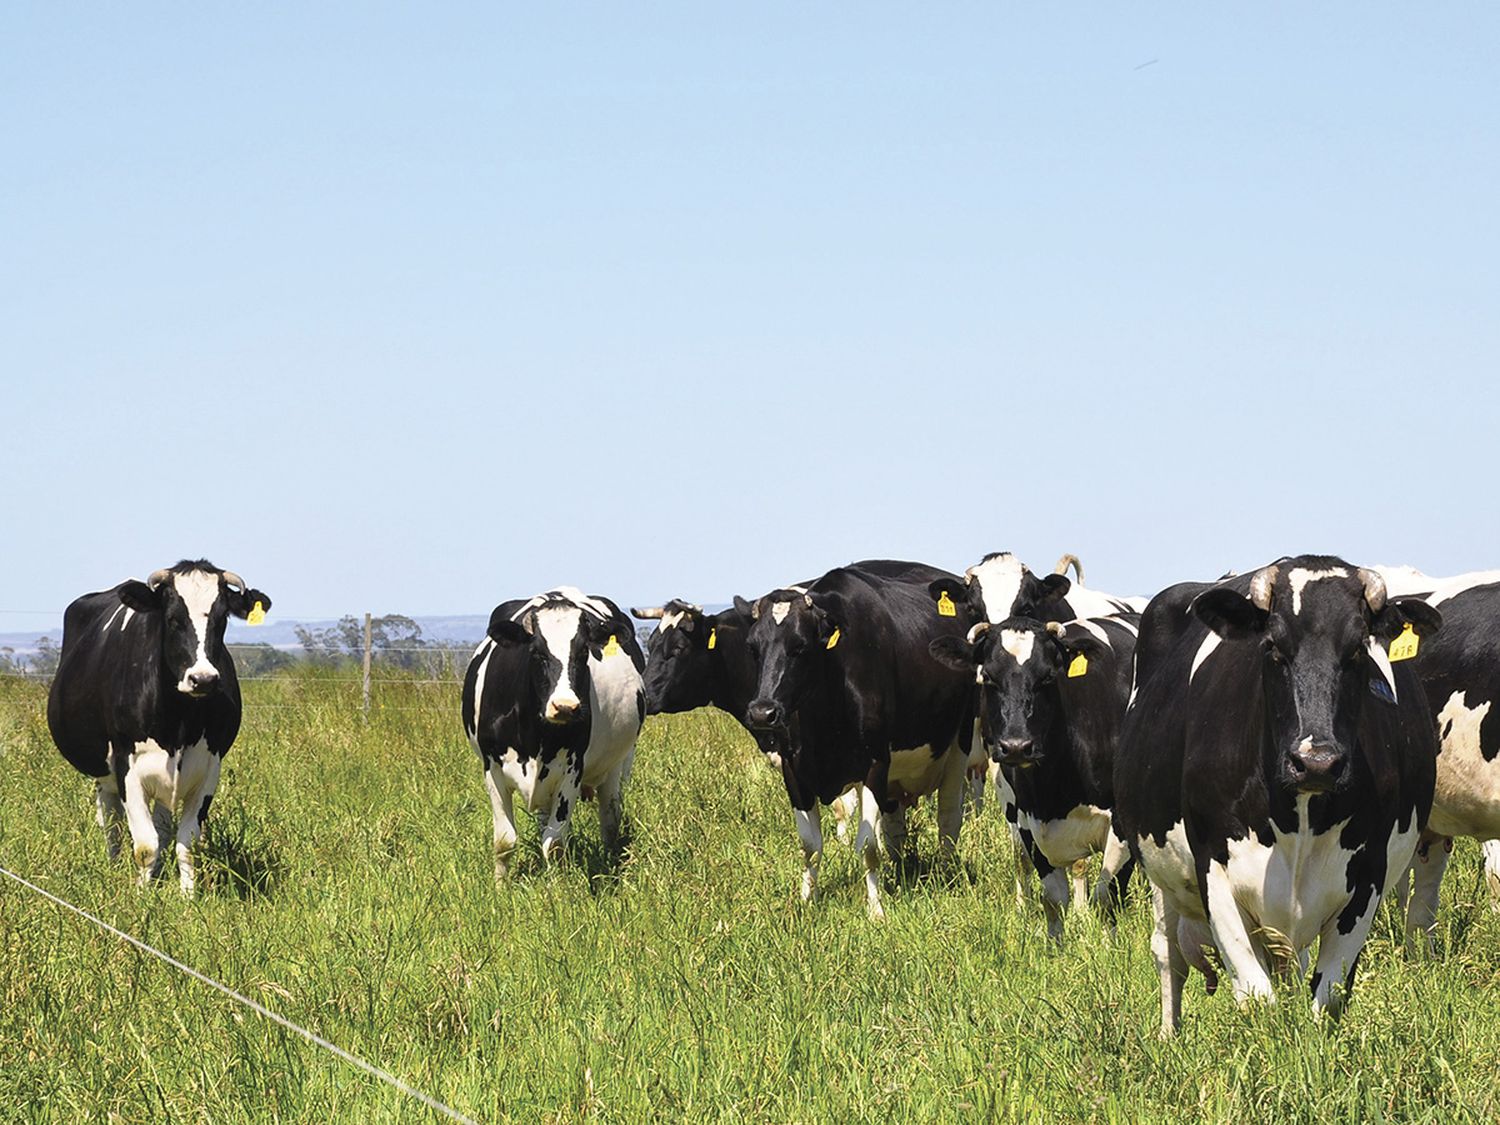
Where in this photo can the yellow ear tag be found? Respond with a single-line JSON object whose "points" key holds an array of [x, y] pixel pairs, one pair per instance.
{"points": [[1404, 647], [1079, 667], [612, 646], [833, 640], [946, 608], [256, 615], [713, 638]]}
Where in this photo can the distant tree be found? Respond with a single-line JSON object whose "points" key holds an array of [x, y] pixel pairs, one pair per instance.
{"points": [[10, 664], [260, 660], [43, 662], [395, 638]]}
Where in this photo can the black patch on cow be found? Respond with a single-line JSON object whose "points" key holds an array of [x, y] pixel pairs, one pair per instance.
{"points": [[562, 808], [203, 809], [640, 705]]}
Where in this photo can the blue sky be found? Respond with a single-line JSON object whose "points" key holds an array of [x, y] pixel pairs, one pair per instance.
{"points": [[414, 309]]}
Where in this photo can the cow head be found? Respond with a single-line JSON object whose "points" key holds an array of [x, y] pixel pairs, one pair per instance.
{"points": [[1016, 663], [1322, 627], [1001, 586], [679, 663], [560, 635], [791, 637], [193, 602]]}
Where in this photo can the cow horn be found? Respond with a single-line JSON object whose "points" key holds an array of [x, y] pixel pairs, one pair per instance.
{"points": [[1056, 628], [650, 613], [1374, 589], [234, 579], [978, 631], [1067, 561], [807, 598], [157, 578], [969, 577], [1260, 587]]}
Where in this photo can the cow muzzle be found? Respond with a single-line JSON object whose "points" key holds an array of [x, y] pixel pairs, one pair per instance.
{"points": [[765, 714], [1316, 767], [1014, 752], [199, 682], [563, 710]]}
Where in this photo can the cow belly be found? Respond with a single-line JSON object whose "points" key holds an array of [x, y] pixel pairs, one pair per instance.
{"points": [[916, 771], [1294, 886], [1467, 799], [615, 718], [1064, 840], [1169, 866], [168, 778]]}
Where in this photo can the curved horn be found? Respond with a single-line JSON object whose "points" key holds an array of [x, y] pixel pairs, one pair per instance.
{"points": [[1374, 589], [1261, 585], [234, 579], [157, 578], [978, 631], [650, 613], [1067, 561]]}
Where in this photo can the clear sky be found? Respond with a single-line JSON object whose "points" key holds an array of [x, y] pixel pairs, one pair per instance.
{"points": [[415, 308]]}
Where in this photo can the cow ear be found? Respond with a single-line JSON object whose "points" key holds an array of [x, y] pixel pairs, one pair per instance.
{"points": [[502, 628], [1083, 642], [1400, 612], [600, 629], [743, 608], [138, 596], [242, 602], [953, 587], [1232, 616], [1054, 587], [953, 652]]}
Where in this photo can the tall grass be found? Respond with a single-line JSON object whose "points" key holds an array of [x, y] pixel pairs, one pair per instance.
{"points": [[346, 882]]}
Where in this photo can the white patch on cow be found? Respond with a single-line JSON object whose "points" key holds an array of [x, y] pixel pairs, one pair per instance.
{"points": [[1382, 661], [1205, 650], [568, 594], [1018, 642], [1091, 626], [1170, 867], [175, 785], [1467, 799], [1301, 576], [557, 626], [916, 771], [1403, 581], [198, 590], [671, 619], [1065, 840], [999, 581], [129, 613], [112, 617], [1083, 602], [779, 610], [487, 647]]}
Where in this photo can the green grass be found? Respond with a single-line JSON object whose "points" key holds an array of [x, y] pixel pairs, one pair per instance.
{"points": [[346, 883]]}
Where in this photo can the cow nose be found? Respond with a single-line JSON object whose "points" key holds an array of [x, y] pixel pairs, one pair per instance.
{"points": [[763, 713], [1013, 749], [561, 710], [202, 681], [1316, 766]]}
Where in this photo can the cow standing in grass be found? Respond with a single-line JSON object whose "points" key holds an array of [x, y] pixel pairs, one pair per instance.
{"points": [[146, 701], [553, 703], [1274, 773]]}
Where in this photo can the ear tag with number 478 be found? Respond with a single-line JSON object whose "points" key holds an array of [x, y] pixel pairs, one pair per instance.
{"points": [[1404, 647], [946, 608], [256, 615], [612, 646], [713, 638], [1078, 667]]}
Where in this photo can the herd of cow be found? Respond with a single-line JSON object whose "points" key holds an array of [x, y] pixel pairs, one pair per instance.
{"points": [[1274, 750]]}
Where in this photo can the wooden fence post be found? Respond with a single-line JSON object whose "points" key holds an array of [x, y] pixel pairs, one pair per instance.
{"points": [[367, 665]]}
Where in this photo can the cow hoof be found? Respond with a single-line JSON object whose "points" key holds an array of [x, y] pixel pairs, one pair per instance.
{"points": [[875, 911]]}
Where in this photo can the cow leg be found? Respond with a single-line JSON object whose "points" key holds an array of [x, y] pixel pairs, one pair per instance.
{"points": [[144, 838], [190, 824], [505, 821], [1054, 893], [976, 790], [867, 843], [1338, 958], [810, 832], [110, 812], [555, 834], [1427, 868], [845, 808], [1171, 965], [1231, 931], [612, 806], [1078, 875], [1025, 873], [1113, 877], [951, 803], [1492, 872], [893, 830]]}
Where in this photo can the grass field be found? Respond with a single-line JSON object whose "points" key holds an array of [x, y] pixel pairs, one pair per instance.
{"points": [[346, 883]]}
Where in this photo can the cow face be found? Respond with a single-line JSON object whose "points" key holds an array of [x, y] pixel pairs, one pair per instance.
{"points": [[1322, 627], [1001, 586], [559, 636], [791, 637], [193, 601], [679, 668], [1016, 664]]}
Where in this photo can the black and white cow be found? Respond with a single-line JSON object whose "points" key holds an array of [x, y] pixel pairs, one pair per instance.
{"points": [[1051, 700], [1460, 668], [1001, 586], [1274, 773], [696, 659], [146, 702], [553, 702], [847, 663]]}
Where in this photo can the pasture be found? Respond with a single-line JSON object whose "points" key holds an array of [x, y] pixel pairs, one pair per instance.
{"points": [[345, 882]]}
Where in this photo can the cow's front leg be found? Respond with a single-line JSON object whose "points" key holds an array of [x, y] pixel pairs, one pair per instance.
{"points": [[810, 833], [867, 843], [505, 820], [951, 803], [1113, 877], [1427, 867], [190, 823], [1054, 890], [1338, 955], [569, 789], [894, 831], [845, 809], [612, 806], [144, 838], [1231, 931], [110, 813], [1171, 965]]}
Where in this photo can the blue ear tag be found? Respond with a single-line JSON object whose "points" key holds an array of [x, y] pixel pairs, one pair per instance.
{"points": [[1381, 690]]}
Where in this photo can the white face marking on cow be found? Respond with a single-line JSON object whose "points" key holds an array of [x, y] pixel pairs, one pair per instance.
{"points": [[779, 610], [198, 591], [1205, 650], [1018, 642], [1300, 577], [999, 581], [1382, 663], [671, 619], [557, 626]]}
